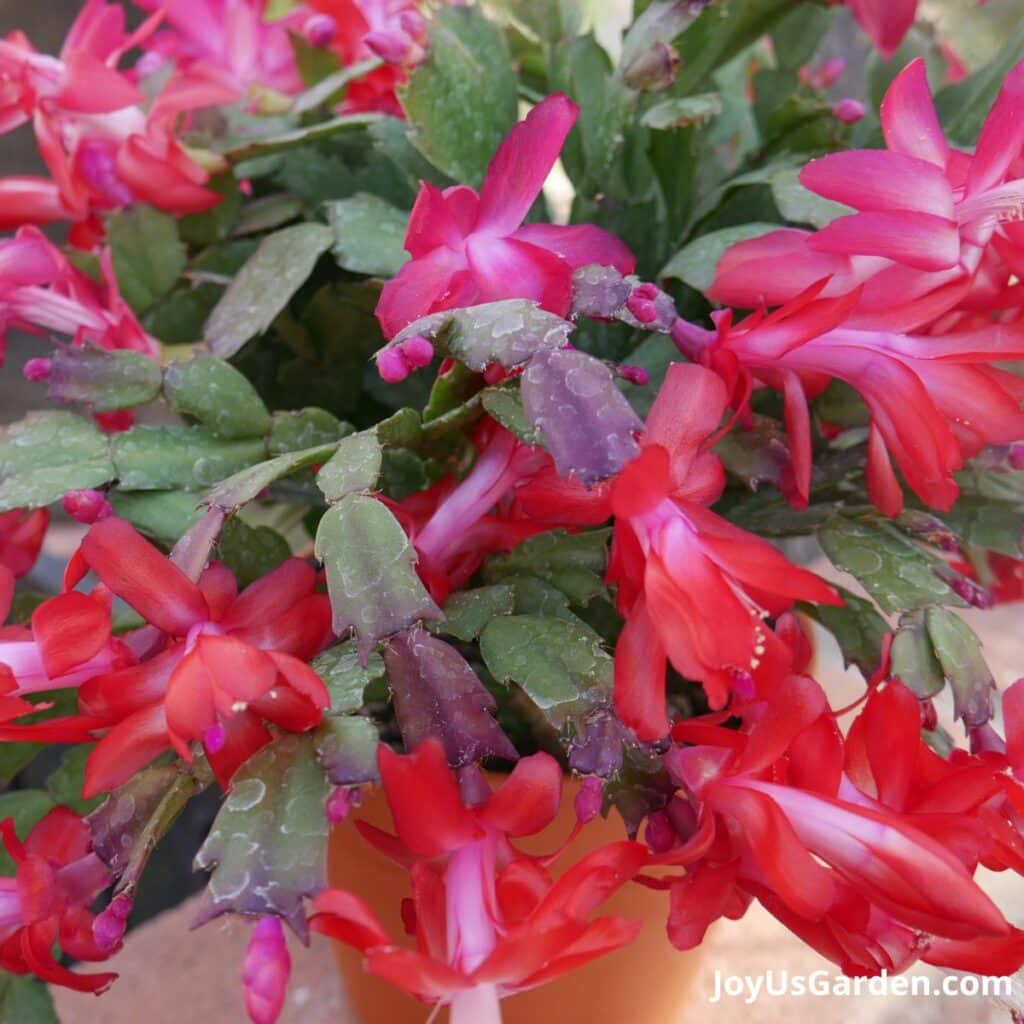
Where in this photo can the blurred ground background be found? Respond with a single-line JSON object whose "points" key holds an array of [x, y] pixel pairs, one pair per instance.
{"points": [[170, 974]]}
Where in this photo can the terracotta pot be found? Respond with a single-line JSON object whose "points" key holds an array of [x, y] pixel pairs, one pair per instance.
{"points": [[647, 982]]}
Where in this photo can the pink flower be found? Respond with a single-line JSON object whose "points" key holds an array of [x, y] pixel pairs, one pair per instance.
{"points": [[469, 248], [232, 36], [392, 30], [840, 856], [489, 921], [101, 148], [885, 21], [41, 291], [932, 224]]}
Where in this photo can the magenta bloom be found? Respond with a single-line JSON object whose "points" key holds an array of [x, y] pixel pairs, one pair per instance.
{"points": [[933, 226], [470, 247], [885, 21]]}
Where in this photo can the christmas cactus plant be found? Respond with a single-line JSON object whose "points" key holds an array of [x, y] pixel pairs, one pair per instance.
{"points": [[443, 395]]}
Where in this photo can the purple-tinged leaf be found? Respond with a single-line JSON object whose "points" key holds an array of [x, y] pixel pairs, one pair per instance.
{"points": [[586, 422], [436, 693], [596, 749], [347, 747], [599, 292], [268, 845], [102, 380], [131, 821]]}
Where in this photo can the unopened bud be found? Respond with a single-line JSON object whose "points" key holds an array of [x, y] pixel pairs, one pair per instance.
{"points": [[319, 30], [86, 506], [37, 369], [1016, 456], [266, 971], [214, 738], [391, 366], [653, 70], [849, 111], [589, 800], [829, 72], [417, 352], [108, 927], [339, 805], [391, 45], [635, 375], [660, 834]]}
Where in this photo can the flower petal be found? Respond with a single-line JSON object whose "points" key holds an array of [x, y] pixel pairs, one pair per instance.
{"points": [[134, 570], [517, 171]]}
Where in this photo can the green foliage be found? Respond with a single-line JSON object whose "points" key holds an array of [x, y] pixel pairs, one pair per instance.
{"points": [[267, 848], [572, 563], [48, 454], [456, 123], [213, 392], [355, 466], [899, 575], [262, 288], [371, 577], [148, 255], [25, 1000], [560, 665], [369, 234]]}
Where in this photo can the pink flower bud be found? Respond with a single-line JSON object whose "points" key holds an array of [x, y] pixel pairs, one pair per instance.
{"points": [[86, 506], [589, 800], [414, 25], [417, 352], [1017, 456], [266, 971], [830, 72], [391, 365], [635, 374], [319, 30], [37, 369], [659, 834], [214, 738], [390, 44], [339, 805], [108, 927], [849, 111], [642, 303]]}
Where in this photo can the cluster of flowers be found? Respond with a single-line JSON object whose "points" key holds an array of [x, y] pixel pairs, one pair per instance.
{"points": [[863, 841]]}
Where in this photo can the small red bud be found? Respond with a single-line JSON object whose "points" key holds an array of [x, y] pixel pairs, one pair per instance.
{"points": [[86, 506], [37, 369]]}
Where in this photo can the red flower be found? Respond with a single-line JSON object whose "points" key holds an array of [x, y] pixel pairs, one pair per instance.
{"points": [[934, 400], [58, 878], [489, 920], [215, 665], [846, 857], [21, 538], [393, 30], [693, 587], [469, 248]]}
